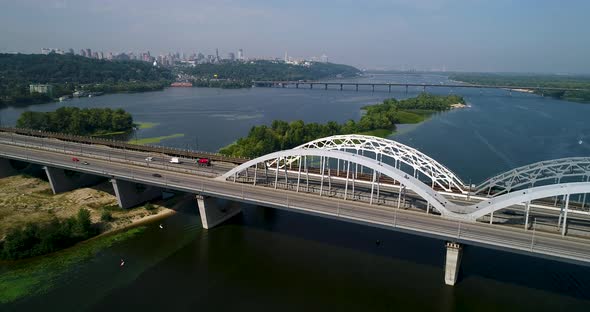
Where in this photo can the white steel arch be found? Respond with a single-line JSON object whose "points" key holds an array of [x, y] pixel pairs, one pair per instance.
{"points": [[440, 175], [573, 169], [518, 197], [438, 201]]}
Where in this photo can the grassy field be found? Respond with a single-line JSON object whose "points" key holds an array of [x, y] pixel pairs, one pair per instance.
{"points": [[146, 125], [155, 140]]}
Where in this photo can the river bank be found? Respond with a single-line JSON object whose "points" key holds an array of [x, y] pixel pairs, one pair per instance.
{"points": [[26, 199]]}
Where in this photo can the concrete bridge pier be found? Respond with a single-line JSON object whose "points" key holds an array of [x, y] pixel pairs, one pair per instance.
{"points": [[389, 88], [214, 211], [311, 85], [406, 89], [453, 260], [130, 194], [62, 180], [357, 87], [6, 168], [325, 86], [296, 86], [341, 86]]}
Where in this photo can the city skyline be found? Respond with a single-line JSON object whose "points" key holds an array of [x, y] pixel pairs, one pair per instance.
{"points": [[494, 36]]}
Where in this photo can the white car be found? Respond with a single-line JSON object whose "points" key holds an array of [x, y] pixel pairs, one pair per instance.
{"points": [[174, 160], [149, 159]]}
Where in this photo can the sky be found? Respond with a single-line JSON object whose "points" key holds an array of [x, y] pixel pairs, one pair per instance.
{"points": [[456, 35]]}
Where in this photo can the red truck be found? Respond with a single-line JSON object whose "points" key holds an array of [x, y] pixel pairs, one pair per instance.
{"points": [[204, 162]]}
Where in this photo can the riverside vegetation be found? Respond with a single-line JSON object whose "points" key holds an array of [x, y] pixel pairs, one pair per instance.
{"points": [[68, 73], [241, 74], [379, 119], [543, 81]]}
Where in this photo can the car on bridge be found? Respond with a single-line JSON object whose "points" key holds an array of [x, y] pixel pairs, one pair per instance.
{"points": [[157, 175], [74, 159], [204, 162]]}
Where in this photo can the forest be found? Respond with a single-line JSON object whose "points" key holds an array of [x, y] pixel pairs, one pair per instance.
{"points": [[34, 240], [267, 70], [73, 120], [70, 72], [282, 135]]}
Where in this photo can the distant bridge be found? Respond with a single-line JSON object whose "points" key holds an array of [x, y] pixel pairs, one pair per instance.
{"points": [[389, 85]]}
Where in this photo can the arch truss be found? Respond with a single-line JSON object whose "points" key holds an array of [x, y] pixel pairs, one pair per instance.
{"points": [[564, 170], [399, 155], [319, 164]]}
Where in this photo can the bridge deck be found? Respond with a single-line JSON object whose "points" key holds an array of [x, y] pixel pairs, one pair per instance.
{"points": [[131, 166]]}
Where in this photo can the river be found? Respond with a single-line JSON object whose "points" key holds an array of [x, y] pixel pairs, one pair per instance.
{"points": [[267, 259]]}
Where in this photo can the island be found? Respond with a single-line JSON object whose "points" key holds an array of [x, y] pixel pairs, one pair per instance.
{"points": [[73, 120], [534, 80], [379, 119]]}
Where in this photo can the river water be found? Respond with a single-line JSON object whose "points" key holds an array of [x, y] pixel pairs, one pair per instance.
{"points": [[267, 259]]}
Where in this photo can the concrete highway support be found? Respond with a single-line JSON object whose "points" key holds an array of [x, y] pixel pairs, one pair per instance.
{"points": [[214, 211], [454, 252], [62, 180], [130, 194]]}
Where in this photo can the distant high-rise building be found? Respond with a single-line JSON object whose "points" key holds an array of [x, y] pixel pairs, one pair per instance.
{"points": [[88, 53], [217, 55], [100, 55], [324, 58], [240, 55], [231, 56], [286, 57], [70, 51], [45, 51], [200, 56], [82, 52]]}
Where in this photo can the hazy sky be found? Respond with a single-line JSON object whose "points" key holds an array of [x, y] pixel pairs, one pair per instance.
{"points": [[466, 35]]}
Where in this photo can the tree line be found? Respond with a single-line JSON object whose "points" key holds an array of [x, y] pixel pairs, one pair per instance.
{"points": [[66, 73], [34, 240], [541, 80], [73, 120], [267, 70], [282, 135]]}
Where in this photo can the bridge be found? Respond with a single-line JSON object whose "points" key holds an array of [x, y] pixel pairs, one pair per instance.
{"points": [[341, 85], [361, 179]]}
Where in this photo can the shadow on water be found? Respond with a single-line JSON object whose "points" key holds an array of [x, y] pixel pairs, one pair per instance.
{"points": [[477, 262]]}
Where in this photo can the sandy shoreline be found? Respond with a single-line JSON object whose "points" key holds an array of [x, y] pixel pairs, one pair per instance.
{"points": [[30, 200]]}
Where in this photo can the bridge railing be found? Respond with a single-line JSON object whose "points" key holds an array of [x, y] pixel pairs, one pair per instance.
{"points": [[185, 153]]}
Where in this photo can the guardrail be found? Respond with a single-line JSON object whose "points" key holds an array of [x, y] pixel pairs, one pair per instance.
{"points": [[185, 153]]}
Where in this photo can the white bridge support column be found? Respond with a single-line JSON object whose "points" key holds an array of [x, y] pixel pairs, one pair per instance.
{"points": [[453, 260], [62, 180], [131, 194], [214, 211], [564, 226]]}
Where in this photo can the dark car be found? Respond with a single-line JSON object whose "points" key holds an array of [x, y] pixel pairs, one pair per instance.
{"points": [[157, 175]]}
